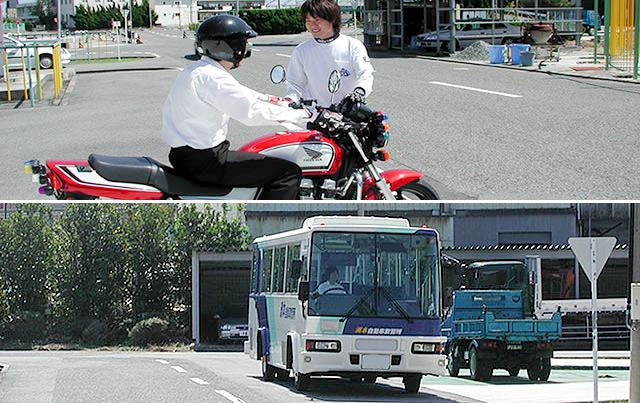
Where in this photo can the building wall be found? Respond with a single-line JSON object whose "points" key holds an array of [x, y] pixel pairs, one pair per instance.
{"points": [[172, 13], [500, 227]]}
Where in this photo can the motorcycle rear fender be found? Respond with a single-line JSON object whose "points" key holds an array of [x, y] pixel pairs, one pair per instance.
{"points": [[397, 177], [79, 177]]}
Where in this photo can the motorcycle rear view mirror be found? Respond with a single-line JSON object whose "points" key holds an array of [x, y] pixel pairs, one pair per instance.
{"points": [[278, 74], [334, 81]]}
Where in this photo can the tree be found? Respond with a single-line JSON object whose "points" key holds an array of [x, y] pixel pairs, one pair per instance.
{"points": [[90, 280], [46, 12], [26, 258], [149, 273]]}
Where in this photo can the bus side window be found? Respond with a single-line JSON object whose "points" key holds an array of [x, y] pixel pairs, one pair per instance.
{"points": [[294, 269]]}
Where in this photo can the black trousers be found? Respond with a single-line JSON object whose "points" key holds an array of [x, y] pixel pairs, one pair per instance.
{"points": [[280, 179]]}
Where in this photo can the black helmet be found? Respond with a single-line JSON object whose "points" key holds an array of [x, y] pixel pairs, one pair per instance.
{"points": [[224, 37]]}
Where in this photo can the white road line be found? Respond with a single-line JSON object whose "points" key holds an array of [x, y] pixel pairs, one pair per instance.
{"points": [[255, 50], [461, 68], [199, 381], [475, 89], [179, 369], [283, 55], [229, 396], [162, 361]]}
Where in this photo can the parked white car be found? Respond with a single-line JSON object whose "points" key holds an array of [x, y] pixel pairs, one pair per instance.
{"points": [[229, 331], [45, 53], [468, 33]]}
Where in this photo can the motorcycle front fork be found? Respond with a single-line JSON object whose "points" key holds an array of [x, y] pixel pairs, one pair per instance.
{"points": [[379, 181], [357, 178]]}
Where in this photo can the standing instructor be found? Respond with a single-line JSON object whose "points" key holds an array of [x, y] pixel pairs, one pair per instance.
{"points": [[313, 60]]}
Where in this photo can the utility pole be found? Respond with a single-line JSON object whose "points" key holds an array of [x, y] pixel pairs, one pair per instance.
{"points": [[150, 17], [634, 260], [4, 74]]}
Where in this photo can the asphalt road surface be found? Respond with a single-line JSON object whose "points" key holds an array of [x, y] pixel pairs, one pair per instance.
{"points": [[473, 131], [137, 377]]}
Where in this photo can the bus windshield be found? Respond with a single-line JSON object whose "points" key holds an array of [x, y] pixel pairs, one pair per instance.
{"points": [[374, 275]]}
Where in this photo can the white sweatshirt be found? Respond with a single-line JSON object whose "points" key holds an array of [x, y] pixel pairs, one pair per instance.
{"points": [[312, 62], [204, 96]]}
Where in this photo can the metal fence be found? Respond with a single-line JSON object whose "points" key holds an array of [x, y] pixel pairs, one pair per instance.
{"points": [[622, 34], [27, 73]]}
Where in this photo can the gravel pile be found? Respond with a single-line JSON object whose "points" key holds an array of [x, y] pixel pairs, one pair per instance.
{"points": [[479, 50]]}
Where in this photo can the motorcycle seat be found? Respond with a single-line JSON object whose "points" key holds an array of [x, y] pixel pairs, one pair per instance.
{"points": [[147, 171]]}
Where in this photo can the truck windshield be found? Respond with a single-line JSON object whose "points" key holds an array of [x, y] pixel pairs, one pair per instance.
{"points": [[501, 276], [374, 275]]}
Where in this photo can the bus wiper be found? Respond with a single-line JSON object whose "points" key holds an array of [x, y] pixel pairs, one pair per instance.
{"points": [[359, 304], [395, 305]]}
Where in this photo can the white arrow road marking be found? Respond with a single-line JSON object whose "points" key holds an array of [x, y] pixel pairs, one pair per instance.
{"points": [[162, 361], [475, 89], [283, 55], [199, 381], [229, 396], [179, 369]]}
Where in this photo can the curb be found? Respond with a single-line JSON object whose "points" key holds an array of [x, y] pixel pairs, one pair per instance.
{"points": [[590, 367], [533, 70]]}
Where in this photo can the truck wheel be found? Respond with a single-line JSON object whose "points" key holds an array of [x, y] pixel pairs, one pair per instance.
{"points": [[539, 369], [452, 365], [480, 369], [412, 383], [514, 370], [301, 381]]}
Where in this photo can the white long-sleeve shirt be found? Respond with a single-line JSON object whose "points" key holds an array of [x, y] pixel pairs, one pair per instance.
{"points": [[312, 62], [203, 98]]}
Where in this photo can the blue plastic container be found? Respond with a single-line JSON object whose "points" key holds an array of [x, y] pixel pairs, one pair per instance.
{"points": [[515, 49], [496, 54], [527, 58]]}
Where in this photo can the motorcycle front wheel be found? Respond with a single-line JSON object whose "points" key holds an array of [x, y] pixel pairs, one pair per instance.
{"points": [[415, 190]]}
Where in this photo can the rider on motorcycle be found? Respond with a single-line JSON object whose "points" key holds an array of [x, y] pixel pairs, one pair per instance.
{"points": [[197, 111]]}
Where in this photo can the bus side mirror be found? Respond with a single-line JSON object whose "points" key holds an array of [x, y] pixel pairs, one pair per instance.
{"points": [[303, 290], [296, 268]]}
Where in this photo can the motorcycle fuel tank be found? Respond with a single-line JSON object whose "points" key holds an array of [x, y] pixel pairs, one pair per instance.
{"points": [[314, 153]]}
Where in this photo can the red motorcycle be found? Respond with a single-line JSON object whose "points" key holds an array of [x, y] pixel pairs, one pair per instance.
{"points": [[336, 154]]}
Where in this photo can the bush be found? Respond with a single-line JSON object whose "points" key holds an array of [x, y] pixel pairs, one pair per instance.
{"points": [[95, 334], [26, 326], [149, 331], [273, 22], [69, 330]]}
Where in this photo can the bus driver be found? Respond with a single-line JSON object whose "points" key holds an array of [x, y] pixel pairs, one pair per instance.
{"points": [[331, 285]]}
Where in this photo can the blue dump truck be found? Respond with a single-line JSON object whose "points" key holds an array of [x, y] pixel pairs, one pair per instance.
{"points": [[489, 329]]}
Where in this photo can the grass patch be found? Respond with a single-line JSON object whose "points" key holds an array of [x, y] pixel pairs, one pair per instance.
{"points": [[106, 60]]}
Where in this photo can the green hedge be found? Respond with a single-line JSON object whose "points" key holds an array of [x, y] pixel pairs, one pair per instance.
{"points": [[272, 22]]}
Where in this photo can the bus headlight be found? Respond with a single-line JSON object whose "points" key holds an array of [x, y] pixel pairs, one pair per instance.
{"points": [[426, 348], [331, 346]]}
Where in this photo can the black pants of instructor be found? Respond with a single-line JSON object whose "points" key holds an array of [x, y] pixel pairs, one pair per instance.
{"points": [[279, 179]]}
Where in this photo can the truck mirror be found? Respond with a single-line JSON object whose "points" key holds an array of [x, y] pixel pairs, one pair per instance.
{"points": [[303, 290]]}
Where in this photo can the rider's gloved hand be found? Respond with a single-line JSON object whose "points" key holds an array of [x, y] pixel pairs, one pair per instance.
{"points": [[358, 95]]}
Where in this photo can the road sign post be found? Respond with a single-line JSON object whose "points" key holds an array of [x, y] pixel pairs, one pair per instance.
{"points": [[592, 253]]}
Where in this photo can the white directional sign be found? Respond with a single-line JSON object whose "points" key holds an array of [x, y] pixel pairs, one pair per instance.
{"points": [[592, 253]]}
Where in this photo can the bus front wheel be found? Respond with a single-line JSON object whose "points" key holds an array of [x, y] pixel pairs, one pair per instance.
{"points": [[412, 383], [268, 371], [301, 381]]}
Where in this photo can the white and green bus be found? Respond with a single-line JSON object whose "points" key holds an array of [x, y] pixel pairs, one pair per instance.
{"points": [[356, 297]]}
